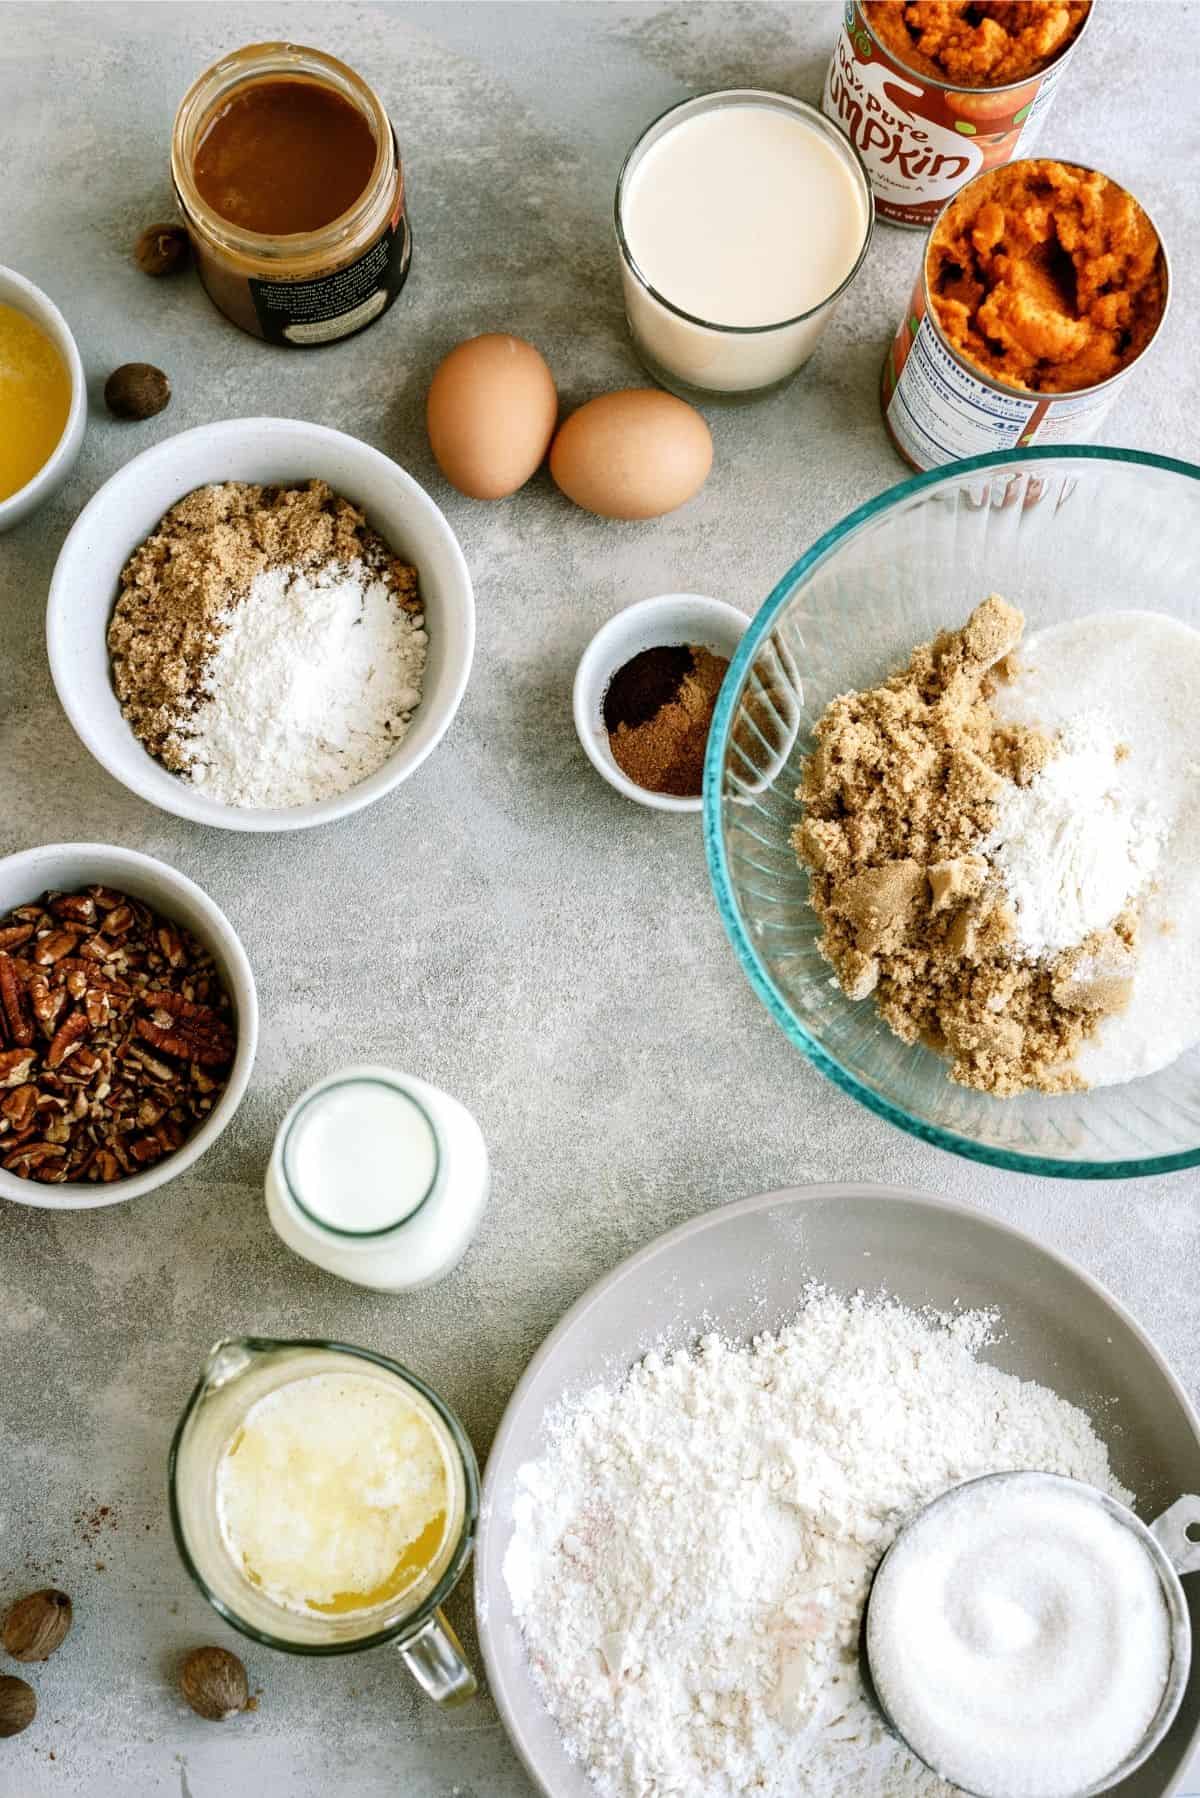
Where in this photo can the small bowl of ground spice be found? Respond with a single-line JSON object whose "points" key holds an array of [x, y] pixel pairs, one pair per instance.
{"points": [[645, 691]]}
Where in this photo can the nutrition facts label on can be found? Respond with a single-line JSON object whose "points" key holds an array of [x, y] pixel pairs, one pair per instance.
{"points": [[939, 413]]}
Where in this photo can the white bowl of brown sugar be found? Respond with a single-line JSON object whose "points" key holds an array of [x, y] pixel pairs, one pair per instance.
{"points": [[261, 624]]}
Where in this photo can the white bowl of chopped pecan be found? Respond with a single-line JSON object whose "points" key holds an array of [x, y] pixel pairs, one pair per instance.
{"points": [[128, 1024], [242, 675]]}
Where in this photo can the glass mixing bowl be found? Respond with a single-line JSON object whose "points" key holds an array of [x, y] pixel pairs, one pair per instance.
{"points": [[1060, 533]]}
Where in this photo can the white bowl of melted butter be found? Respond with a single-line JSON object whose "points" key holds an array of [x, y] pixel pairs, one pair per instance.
{"points": [[43, 398]]}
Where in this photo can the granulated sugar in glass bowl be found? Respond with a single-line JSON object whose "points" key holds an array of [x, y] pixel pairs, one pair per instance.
{"points": [[1062, 534]]}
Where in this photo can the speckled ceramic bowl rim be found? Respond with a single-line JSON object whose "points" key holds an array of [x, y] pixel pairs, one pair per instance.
{"points": [[827, 546], [218, 935], [54, 470], [600, 1294]]}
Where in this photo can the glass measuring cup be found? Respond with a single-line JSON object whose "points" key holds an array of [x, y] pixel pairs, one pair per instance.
{"points": [[1172, 1546], [238, 1373]]}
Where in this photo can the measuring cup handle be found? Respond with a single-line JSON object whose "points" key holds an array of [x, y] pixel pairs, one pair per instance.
{"points": [[433, 1655], [1178, 1533]]}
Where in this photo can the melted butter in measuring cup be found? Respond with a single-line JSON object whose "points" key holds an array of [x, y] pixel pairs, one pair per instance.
{"points": [[379, 1178]]}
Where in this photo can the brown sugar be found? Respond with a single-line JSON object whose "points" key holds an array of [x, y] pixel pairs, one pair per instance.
{"points": [[898, 794], [977, 43], [1046, 276], [178, 586]]}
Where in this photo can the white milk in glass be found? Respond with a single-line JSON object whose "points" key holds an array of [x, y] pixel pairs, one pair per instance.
{"points": [[748, 214]]}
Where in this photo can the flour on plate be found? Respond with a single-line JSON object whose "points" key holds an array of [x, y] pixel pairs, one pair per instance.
{"points": [[691, 1554]]}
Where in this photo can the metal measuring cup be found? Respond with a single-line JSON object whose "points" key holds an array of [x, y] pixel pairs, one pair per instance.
{"points": [[1172, 1543]]}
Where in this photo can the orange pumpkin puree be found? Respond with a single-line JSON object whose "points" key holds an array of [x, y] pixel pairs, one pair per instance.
{"points": [[1046, 276], [976, 43]]}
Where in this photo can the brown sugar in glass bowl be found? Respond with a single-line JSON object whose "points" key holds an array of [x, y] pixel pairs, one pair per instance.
{"points": [[290, 182], [977, 43], [1046, 276]]}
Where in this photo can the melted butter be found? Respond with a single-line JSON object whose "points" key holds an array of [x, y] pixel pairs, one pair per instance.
{"points": [[35, 399], [334, 1494], [418, 1558]]}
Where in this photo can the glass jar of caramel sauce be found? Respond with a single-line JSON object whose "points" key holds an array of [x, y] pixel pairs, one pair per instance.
{"points": [[289, 179]]}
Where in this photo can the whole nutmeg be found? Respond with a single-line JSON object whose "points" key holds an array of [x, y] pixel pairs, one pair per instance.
{"points": [[136, 390], [36, 1625], [162, 250], [18, 1705], [214, 1683]]}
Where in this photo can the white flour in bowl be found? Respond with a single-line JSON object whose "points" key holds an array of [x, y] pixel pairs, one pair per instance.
{"points": [[1076, 844], [691, 1554], [1139, 674], [311, 686]]}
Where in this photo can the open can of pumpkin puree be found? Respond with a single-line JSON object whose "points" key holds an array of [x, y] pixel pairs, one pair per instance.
{"points": [[1011, 337], [932, 97]]}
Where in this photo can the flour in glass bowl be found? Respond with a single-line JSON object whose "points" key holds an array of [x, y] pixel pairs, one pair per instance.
{"points": [[1132, 677], [691, 1554]]}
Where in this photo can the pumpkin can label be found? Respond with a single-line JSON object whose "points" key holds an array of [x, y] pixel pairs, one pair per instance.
{"points": [[920, 139]]}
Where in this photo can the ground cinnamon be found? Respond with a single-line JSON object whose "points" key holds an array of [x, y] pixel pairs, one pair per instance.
{"points": [[658, 710]]}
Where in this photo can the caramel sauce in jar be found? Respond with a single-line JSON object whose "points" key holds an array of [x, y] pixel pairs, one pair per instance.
{"points": [[284, 156], [289, 179]]}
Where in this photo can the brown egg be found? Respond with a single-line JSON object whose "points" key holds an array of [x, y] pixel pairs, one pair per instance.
{"points": [[490, 414], [634, 454]]}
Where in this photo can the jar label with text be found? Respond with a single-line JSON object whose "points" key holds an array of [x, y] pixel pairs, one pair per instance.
{"points": [[329, 307]]}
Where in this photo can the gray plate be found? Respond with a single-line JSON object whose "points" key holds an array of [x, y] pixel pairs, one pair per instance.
{"points": [[739, 1270]]}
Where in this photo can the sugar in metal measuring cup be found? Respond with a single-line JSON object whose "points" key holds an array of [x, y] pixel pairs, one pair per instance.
{"points": [[237, 1374], [1172, 1544]]}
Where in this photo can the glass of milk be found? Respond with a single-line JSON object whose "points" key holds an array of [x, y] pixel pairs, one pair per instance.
{"points": [[324, 1499], [379, 1178], [742, 217]]}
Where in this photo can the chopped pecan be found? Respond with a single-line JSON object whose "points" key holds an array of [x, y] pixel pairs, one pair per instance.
{"points": [[76, 908], [67, 1038], [46, 1002], [96, 949], [53, 946], [12, 1003], [18, 1106], [15, 1065], [30, 1156], [178, 1027], [171, 944]]}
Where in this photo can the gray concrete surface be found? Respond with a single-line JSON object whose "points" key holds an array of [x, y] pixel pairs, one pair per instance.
{"points": [[504, 924]]}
